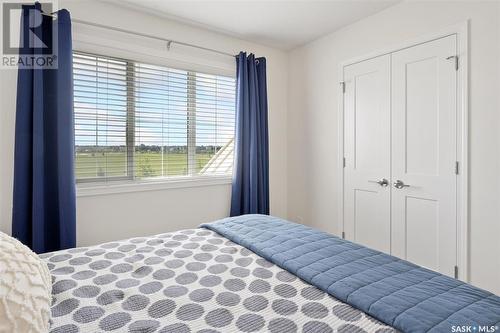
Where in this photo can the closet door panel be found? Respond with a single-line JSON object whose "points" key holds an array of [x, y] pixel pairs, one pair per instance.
{"points": [[424, 154], [367, 153]]}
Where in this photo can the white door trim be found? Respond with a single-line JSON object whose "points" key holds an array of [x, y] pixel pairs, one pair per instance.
{"points": [[462, 32]]}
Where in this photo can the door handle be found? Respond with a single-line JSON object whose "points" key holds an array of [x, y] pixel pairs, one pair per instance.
{"points": [[382, 182], [399, 184]]}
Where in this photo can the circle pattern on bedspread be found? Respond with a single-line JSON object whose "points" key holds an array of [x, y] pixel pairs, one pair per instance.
{"points": [[189, 281]]}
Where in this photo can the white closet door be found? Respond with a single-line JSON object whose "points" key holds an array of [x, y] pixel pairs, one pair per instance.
{"points": [[424, 154], [367, 153]]}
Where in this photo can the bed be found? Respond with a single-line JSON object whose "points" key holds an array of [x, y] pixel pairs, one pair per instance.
{"points": [[235, 275], [188, 281]]}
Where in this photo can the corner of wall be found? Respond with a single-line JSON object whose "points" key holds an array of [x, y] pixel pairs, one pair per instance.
{"points": [[8, 81]]}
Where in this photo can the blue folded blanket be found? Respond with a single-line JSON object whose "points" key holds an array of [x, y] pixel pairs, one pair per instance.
{"points": [[401, 294]]}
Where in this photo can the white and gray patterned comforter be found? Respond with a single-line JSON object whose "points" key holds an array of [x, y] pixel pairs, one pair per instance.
{"points": [[188, 281]]}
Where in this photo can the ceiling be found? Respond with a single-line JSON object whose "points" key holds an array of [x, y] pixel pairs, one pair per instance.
{"points": [[282, 24]]}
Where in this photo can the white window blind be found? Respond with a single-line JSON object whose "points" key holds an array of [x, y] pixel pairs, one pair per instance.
{"points": [[140, 121]]}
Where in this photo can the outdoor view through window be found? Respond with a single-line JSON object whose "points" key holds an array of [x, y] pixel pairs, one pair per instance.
{"points": [[142, 121]]}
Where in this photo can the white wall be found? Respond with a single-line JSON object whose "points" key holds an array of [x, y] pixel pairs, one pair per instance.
{"points": [[107, 217], [7, 127], [313, 117]]}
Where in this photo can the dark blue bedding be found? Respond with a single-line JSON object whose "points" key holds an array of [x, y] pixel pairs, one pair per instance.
{"points": [[401, 294]]}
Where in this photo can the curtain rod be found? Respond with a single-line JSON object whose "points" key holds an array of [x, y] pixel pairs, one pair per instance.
{"points": [[168, 41]]}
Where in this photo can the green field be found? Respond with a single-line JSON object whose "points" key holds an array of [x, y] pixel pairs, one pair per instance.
{"points": [[147, 164]]}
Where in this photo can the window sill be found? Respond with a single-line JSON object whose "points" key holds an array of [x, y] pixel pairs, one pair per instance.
{"points": [[96, 189]]}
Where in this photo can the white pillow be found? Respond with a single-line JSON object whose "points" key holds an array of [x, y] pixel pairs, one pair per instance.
{"points": [[25, 289]]}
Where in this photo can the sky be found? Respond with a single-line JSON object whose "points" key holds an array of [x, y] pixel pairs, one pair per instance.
{"points": [[161, 100]]}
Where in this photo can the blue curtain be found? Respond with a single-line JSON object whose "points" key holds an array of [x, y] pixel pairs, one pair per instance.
{"points": [[43, 214], [250, 189]]}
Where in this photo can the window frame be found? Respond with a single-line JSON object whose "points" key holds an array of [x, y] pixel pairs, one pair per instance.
{"points": [[129, 183]]}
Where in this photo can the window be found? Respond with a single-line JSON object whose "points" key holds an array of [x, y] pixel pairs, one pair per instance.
{"points": [[136, 121]]}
